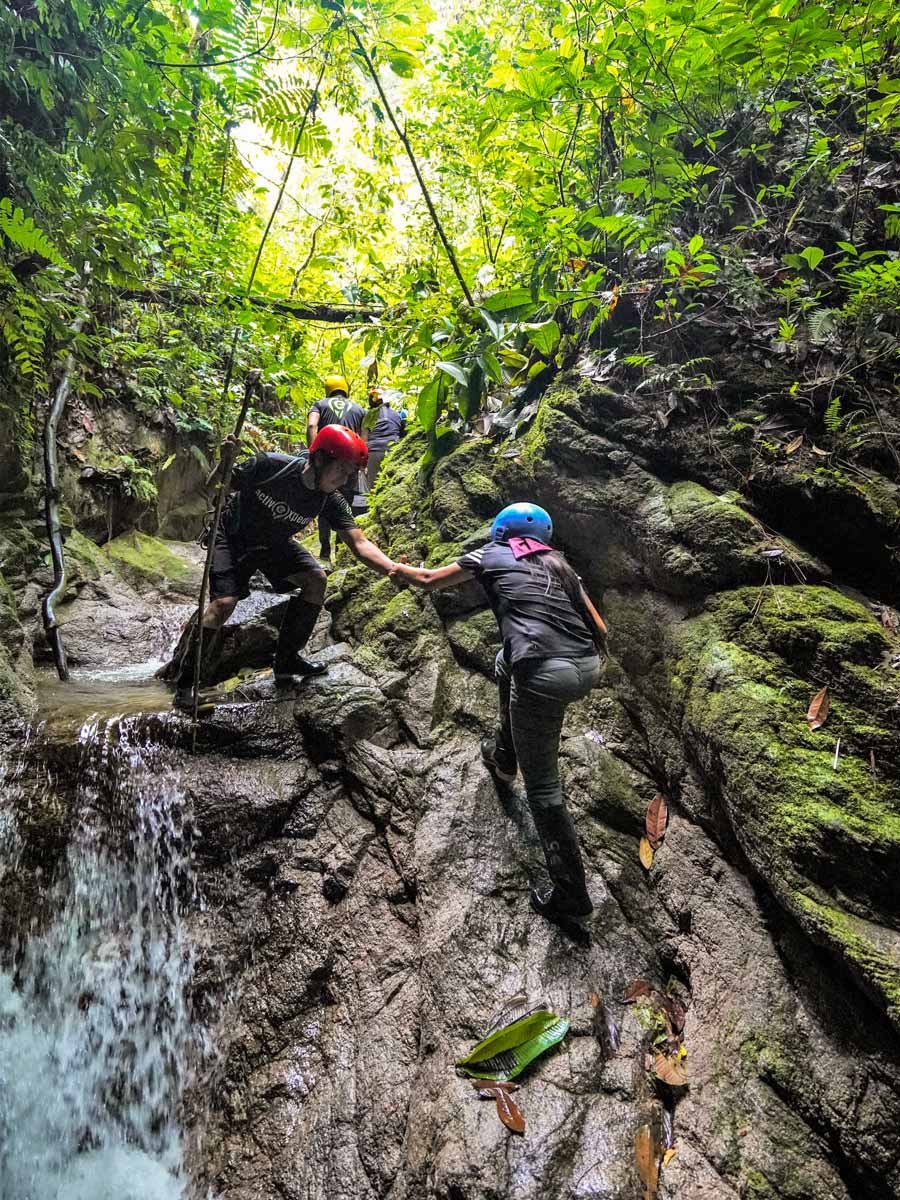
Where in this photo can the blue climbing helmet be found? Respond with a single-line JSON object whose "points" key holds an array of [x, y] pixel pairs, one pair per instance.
{"points": [[522, 520]]}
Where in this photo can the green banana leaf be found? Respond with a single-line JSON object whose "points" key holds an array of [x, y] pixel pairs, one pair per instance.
{"points": [[508, 1051]]}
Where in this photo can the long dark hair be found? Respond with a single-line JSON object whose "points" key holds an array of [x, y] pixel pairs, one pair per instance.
{"points": [[554, 568]]}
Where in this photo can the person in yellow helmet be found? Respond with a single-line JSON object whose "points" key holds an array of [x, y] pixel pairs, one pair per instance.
{"points": [[335, 409]]}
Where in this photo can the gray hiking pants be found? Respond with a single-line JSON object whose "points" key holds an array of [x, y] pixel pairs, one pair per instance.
{"points": [[534, 696]]}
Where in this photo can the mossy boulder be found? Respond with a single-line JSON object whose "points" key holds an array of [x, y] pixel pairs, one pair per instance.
{"points": [[85, 560], [817, 812], [475, 640], [145, 559]]}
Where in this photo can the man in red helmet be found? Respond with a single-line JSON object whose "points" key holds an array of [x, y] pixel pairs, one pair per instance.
{"points": [[275, 496]]}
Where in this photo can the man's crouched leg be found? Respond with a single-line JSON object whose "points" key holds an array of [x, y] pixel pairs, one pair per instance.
{"points": [[296, 628]]}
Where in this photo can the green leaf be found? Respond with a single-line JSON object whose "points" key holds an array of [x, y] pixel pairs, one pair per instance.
{"points": [[813, 255], [544, 336], [632, 187], [429, 402], [491, 366], [455, 371], [695, 244], [508, 300], [402, 63], [520, 1043]]}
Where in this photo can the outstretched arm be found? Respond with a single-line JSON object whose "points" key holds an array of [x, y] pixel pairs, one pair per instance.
{"points": [[366, 551], [431, 581]]}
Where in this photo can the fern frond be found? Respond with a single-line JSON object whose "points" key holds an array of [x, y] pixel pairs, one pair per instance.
{"points": [[821, 323], [833, 415], [23, 232], [23, 325]]}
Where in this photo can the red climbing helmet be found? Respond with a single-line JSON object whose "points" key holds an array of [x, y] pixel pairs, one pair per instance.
{"points": [[334, 441]]}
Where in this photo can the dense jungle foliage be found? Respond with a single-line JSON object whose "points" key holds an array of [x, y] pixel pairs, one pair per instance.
{"points": [[491, 187]]}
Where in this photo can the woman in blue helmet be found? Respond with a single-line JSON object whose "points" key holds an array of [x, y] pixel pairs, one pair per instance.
{"points": [[549, 658]]}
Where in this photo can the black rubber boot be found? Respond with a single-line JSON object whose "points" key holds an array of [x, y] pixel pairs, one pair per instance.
{"points": [[568, 897], [499, 760], [296, 627]]}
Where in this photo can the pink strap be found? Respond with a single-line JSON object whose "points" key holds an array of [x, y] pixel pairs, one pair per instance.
{"points": [[521, 546]]}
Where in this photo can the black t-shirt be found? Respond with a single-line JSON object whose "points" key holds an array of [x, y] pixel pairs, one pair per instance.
{"points": [[338, 410], [388, 428], [536, 617], [273, 503]]}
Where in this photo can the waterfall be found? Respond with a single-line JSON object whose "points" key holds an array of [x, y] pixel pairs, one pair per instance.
{"points": [[95, 1033]]}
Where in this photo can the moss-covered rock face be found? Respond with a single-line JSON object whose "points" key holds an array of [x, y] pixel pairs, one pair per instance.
{"points": [[723, 630], [816, 811], [150, 560]]}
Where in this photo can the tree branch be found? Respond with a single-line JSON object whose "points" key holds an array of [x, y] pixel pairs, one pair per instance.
{"points": [[332, 314], [222, 62]]}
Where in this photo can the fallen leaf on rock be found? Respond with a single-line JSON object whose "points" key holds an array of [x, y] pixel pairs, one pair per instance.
{"points": [[669, 1155], [794, 444], [595, 1000], [507, 1109], [817, 713], [669, 1070], [507, 1051], [656, 819], [821, 453], [675, 1012], [773, 552], [646, 1152], [634, 991], [646, 853]]}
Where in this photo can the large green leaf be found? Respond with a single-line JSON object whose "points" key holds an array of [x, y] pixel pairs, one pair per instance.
{"points": [[428, 405], [519, 1043], [511, 303], [544, 336], [455, 371]]}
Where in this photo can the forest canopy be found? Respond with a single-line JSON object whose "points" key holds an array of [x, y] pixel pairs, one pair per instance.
{"points": [[480, 190]]}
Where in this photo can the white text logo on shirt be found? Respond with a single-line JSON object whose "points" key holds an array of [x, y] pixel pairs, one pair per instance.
{"points": [[281, 511]]}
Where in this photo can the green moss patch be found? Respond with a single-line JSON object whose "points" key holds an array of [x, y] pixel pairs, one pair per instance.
{"points": [[810, 816], [147, 559]]}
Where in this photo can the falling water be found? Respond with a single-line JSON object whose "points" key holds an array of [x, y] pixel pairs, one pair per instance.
{"points": [[94, 1030]]}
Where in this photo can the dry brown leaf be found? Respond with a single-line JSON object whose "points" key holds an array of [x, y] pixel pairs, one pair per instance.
{"points": [[634, 991], [889, 618], [821, 453], [675, 1013], [646, 853], [669, 1155], [646, 1152], [794, 444], [595, 1000], [507, 1109], [656, 819], [817, 713], [670, 1070]]}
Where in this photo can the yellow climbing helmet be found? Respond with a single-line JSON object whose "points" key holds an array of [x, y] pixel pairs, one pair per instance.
{"points": [[336, 383]]}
